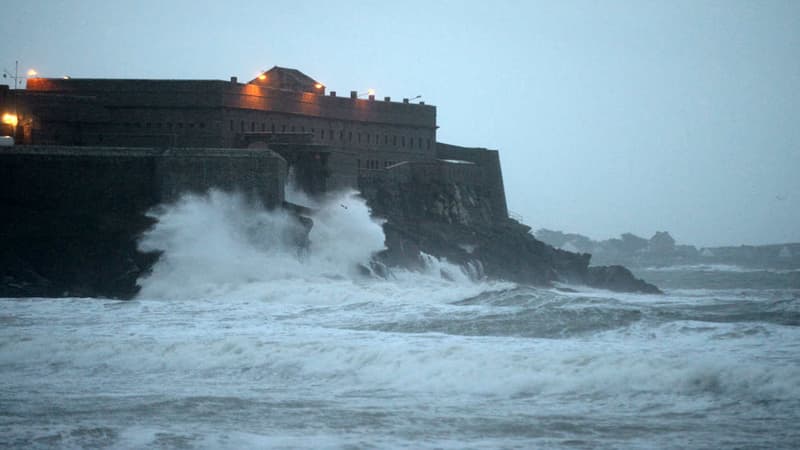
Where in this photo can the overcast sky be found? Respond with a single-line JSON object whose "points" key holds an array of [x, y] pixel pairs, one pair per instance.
{"points": [[610, 116]]}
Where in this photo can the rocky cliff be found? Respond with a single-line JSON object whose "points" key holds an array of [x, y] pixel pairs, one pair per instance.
{"points": [[455, 220]]}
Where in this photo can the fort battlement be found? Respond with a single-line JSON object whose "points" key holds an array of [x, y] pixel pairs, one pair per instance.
{"points": [[138, 93]]}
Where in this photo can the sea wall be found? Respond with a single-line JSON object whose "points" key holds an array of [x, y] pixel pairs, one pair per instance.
{"points": [[72, 215]]}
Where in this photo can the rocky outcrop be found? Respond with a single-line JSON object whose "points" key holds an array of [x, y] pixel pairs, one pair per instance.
{"points": [[506, 251], [618, 278], [456, 221]]}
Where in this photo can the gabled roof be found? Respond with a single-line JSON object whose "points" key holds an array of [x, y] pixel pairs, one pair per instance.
{"points": [[289, 79]]}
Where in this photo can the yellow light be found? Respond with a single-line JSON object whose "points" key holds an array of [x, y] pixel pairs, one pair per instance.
{"points": [[370, 91], [10, 119], [262, 77], [318, 86], [32, 73]]}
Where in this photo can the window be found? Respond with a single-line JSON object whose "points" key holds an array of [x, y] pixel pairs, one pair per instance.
{"points": [[252, 127], [241, 126], [403, 141], [292, 128], [341, 135], [429, 143], [283, 128], [202, 124], [330, 135], [322, 134], [263, 126], [350, 136], [394, 140], [272, 127]]}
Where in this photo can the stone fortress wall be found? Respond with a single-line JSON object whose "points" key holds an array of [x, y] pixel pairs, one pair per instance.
{"points": [[345, 140], [191, 113]]}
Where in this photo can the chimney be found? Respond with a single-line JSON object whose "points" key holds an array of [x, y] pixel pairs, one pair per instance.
{"points": [[371, 98], [333, 93], [405, 100], [387, 99], [234, 80], [353, 94]]}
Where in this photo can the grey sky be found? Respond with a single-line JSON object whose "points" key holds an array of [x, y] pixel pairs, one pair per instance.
{"points": [[610, 116]]}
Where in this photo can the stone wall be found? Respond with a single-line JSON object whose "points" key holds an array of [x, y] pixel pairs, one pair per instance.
{"points": [[490, 176], [72, 215], [209, 113]]}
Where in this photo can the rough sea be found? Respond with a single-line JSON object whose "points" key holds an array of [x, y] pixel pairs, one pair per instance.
{"points": [[239, 341]]}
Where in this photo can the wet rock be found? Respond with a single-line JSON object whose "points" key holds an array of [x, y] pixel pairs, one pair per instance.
{"points": [[619, 279]]}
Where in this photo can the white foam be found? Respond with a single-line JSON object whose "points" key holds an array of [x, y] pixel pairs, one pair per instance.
{"points": [[220, 246]]}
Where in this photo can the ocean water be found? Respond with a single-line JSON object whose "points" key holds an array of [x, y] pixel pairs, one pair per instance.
{"points": [[239, 341]]}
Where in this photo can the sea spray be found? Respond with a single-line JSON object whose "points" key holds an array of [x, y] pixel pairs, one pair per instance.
{"points": [[219, 244]]}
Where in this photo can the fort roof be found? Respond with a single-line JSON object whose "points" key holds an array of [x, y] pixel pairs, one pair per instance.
{"points": [[286, 78]]}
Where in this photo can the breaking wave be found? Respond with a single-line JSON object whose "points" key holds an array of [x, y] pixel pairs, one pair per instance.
{"points": [[220, 244]]}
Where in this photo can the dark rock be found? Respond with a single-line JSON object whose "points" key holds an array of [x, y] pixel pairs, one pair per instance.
{"points": [[619, 279], [416, 223]]}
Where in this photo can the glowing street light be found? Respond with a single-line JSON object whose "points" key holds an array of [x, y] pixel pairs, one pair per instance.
{"points": [[10, 119], [32, 73], [262, 76], [318, 85]]}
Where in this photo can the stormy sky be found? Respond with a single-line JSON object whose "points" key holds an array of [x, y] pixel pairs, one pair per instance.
{"points": [[610, 116]]}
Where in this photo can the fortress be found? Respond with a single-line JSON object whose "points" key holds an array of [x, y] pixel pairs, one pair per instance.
{"points": [[93, 156], [330, 141]]}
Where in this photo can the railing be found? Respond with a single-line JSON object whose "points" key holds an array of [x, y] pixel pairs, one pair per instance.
{"points": [[515, 216]]}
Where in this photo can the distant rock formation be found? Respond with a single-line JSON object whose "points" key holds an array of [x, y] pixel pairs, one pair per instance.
{"points": [[662, 250]]}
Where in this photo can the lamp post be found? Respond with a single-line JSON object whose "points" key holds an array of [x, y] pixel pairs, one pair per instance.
{"points": [[13, 119], [15, 77]]}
